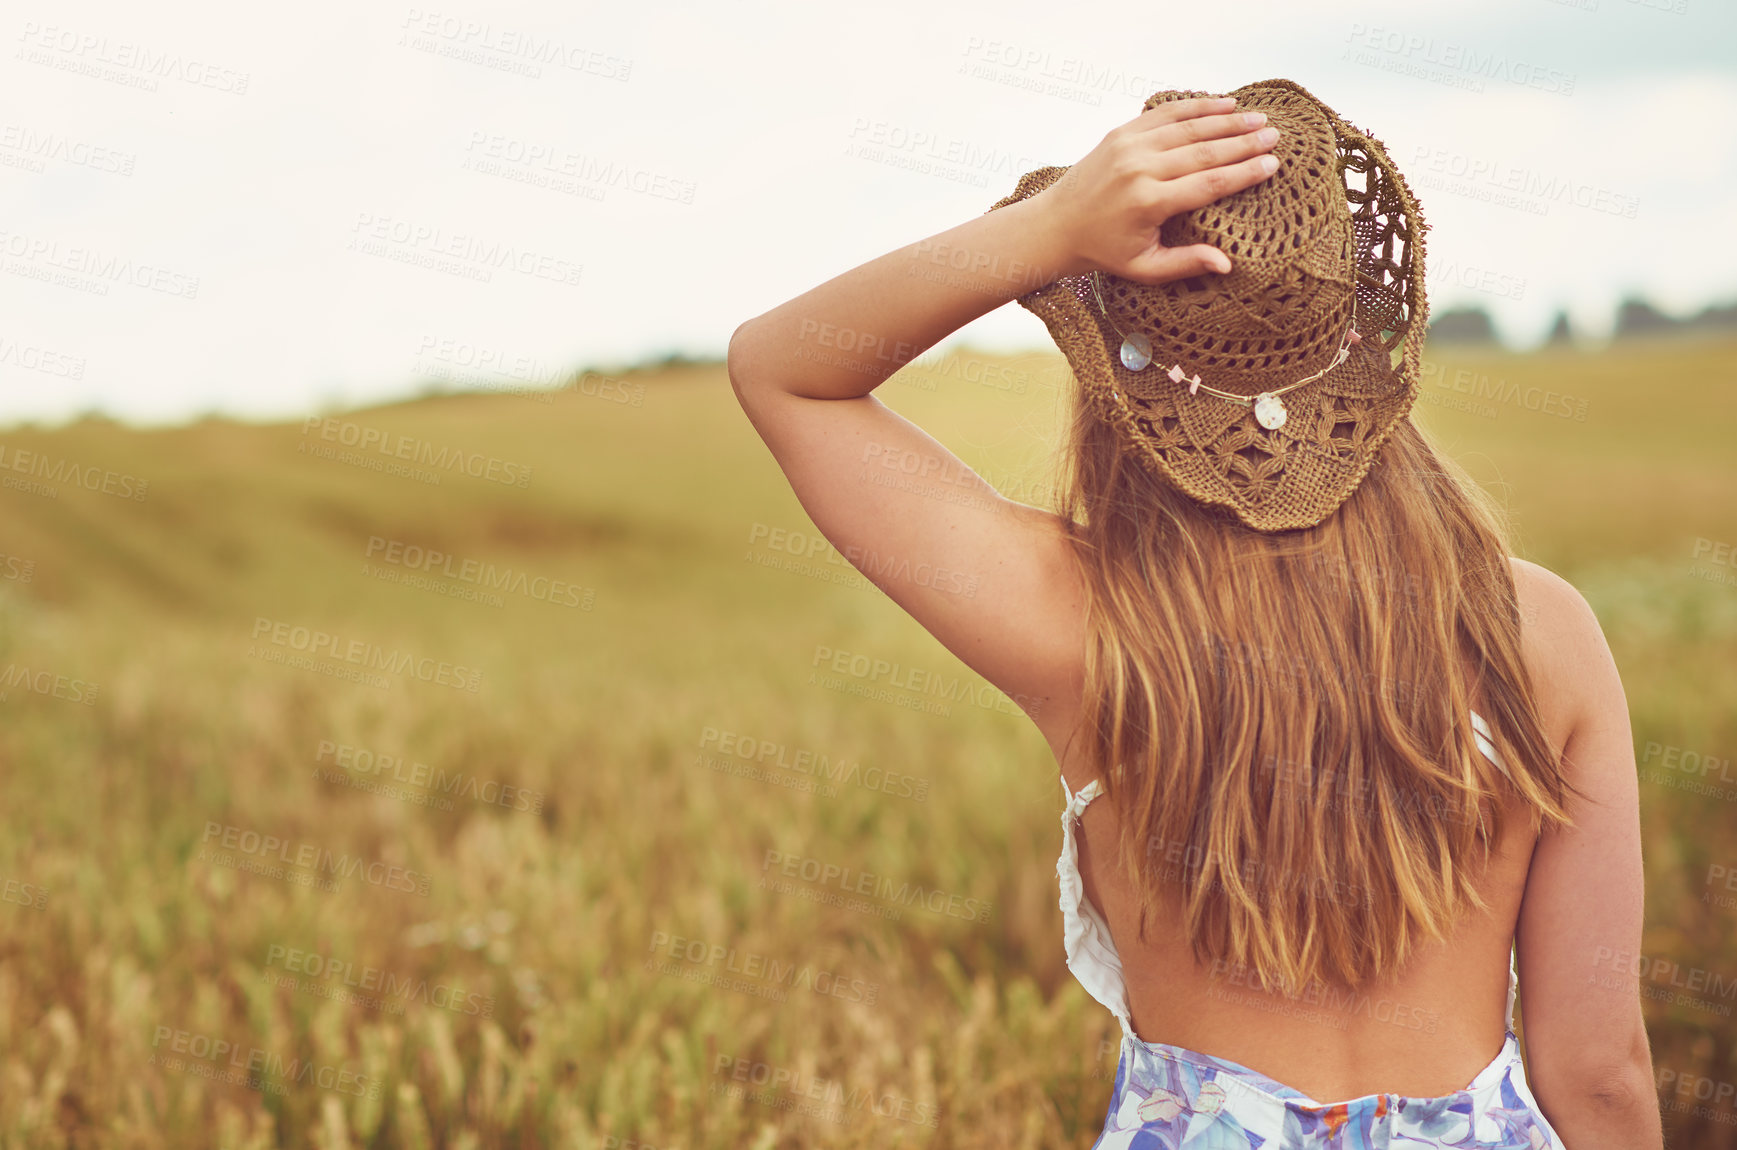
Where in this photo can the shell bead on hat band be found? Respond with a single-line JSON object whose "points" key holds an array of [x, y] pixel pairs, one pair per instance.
{"points": [[1136, 352], [1270, 411]]}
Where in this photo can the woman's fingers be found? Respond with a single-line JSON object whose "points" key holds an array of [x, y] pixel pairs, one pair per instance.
{"points": [[1190, 137], [1174, 110], [1180, 132], [1166, 264], [1170, 159], [1199, 188], [1187, 159]]}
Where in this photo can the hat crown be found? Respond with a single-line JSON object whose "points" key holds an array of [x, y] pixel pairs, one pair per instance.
{"points": [[1283, 308]]}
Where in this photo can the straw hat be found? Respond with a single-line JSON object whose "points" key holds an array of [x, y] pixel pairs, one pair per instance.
{"points": [[1327, 277]]}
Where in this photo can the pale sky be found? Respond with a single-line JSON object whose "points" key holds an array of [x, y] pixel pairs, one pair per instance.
{"points": [[262, 212]]}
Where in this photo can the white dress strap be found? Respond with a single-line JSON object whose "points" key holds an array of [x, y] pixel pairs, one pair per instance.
{"points": [[1091, 951], [1486, 744], [1513, 981], [1077, 802]]}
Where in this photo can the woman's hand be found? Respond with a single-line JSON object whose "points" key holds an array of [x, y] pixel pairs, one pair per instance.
{"points": [[1179, 156]]}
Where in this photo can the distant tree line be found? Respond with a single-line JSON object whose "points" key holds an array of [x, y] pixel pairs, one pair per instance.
{"points": [[1635, 317]]}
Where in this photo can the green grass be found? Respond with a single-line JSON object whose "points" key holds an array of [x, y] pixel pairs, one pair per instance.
{"points": [[548, 915]]}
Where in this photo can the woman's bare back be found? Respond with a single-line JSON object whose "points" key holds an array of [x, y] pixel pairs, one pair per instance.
{"points": [[1426, 1031]]}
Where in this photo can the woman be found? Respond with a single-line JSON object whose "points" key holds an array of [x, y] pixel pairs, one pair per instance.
{"points": [[1340, 775]]}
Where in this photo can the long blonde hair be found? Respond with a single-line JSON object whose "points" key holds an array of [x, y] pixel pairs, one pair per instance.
{"points": [[1289, 712]]}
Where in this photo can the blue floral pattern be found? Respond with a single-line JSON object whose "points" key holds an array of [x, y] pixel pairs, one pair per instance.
{"points": [[1170, 1098]]}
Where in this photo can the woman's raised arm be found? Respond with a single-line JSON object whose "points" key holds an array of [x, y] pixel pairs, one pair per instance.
{"points": [[845, 337], [991, 579]]}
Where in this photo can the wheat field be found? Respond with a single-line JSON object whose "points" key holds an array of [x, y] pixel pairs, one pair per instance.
{"points": [[497, 769]]}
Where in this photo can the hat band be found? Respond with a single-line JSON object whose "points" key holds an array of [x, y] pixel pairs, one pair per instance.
{"points": [[1269, 409]]}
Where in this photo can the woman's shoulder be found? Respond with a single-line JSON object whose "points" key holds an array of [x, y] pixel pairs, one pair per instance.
{"points": [[1540, 585], [1553, 612], [1573, 673]]}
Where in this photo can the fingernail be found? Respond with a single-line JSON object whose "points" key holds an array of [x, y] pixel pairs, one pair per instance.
{"points": [[1269, 164], [1254, 119], [1268, 135]]}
